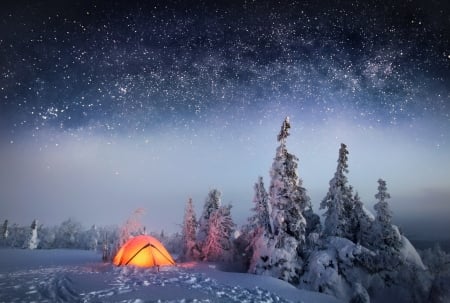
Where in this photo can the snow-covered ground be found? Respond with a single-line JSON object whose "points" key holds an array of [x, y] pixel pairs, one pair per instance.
{"points": [[80, 276]]}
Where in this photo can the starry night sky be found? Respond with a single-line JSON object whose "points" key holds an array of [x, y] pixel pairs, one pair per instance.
{"points": [[107, 106]]}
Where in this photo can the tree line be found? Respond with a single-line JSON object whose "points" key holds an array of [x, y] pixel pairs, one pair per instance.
{"points": [[353, 255]]}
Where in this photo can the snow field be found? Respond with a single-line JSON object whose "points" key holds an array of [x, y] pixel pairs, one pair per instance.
{"points": [[79, 276]]}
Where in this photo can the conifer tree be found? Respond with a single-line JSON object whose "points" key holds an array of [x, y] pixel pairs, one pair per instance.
{"points": [[218, 245], [287, 200], [284, 132], [33, 240], [386, 235], [259, 226], [339, 200], [261, 216], [5, 230], [212, 203], [190, 250], [361, 223]]}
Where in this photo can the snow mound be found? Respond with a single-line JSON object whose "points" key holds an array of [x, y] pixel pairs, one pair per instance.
{"points": [[410, 254], [333, 270]]}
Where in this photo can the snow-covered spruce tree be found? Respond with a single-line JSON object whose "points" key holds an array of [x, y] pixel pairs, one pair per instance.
{"points": [[339, 200], [387, 237], [361, 223], [313, 226], [258, 229], [212, 203], [287, 200], [33, 240], [218, 245], [189, 250], [261, 217]]}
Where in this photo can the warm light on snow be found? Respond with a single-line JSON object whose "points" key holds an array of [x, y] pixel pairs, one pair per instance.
{"points": [[80, 276]]}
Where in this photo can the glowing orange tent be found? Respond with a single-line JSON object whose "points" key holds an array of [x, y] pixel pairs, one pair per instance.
{"points": [[144, 251]]}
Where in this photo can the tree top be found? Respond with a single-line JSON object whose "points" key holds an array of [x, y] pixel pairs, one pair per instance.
{"points": [[284, 132]]}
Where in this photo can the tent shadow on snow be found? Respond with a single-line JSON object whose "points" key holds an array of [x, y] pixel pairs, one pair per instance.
{"points": [[143, 251]]}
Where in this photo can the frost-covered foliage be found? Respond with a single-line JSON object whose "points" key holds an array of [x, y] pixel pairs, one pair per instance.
{"points": [[355, 273], [361, 223], [436, 260], [47, 236], [92, 237], [172, 242], [387, 236], [327, 268], [438, 264], [278, 250], [5, 230], [339, 200], [218, 245], [259, 225], [257, 246], [17, 236], [190, 250], [284, 132], [356, 257], [132, 227], [286, 196], [68, 235], [33, 241], [71, 234], [212, 204], [261, 214]]}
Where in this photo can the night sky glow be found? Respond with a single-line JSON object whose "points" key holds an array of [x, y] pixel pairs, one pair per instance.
{"points": [[109, 106]]}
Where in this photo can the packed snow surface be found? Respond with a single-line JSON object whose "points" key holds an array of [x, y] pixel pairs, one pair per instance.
{"points": [[80, 276]]}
